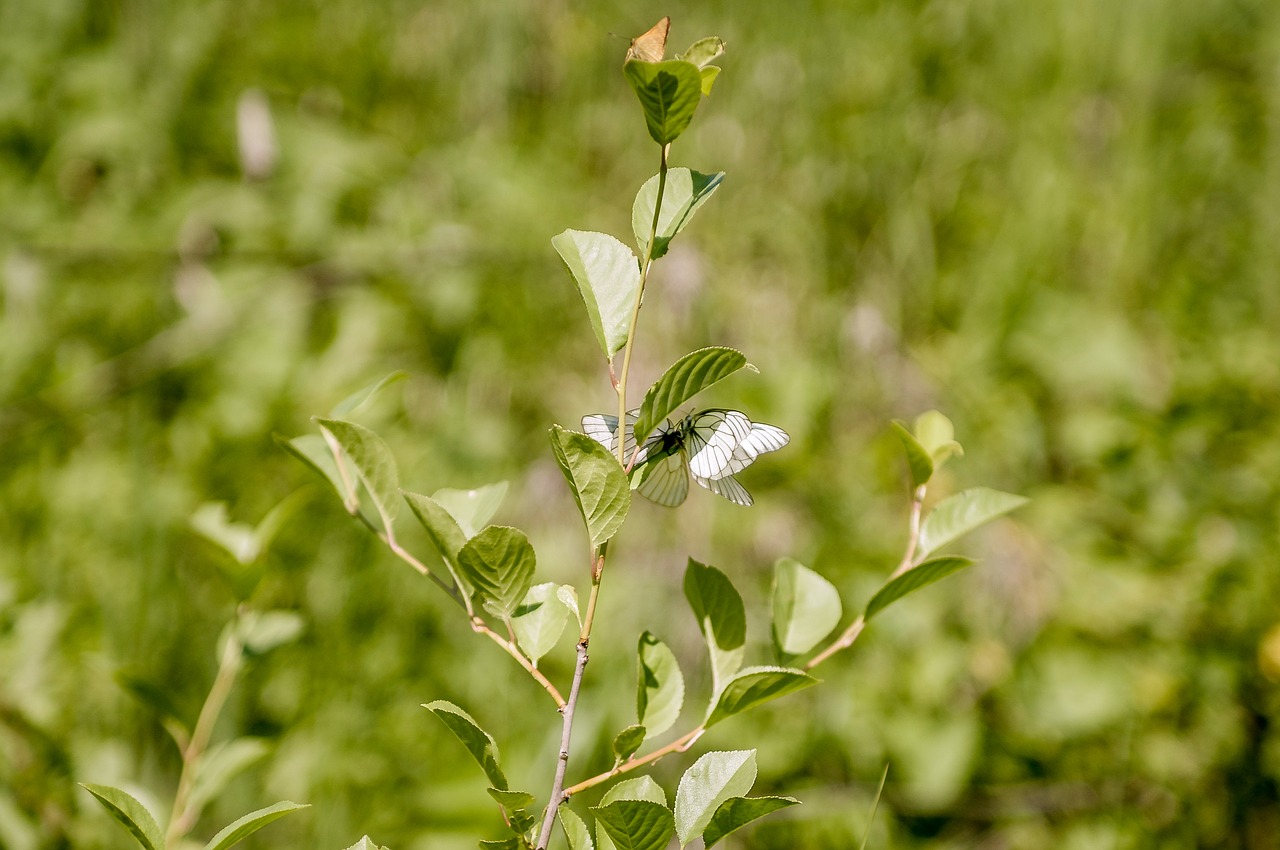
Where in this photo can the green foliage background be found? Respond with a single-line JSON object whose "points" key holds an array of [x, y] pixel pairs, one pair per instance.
{"points": [[1058, 222]]}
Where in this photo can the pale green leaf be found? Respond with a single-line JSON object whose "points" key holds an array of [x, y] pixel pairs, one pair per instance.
{"points": [[957, 515], [540, 620], [126, 809], [660, 686], [361, 397], [312, 450], [737, 812], [685, 191], [669, 93], [261, 632], [636, 788], [709, 781], [575, 830], [937, 436], [242, 828], [754, 686], [721, 618], [918, 459], [704, 51], [373, 464], [636, 824], [568, 594], [477, 741], [684, 379], [472, 508], [443, 530], [599, 486], [220, 764], [365, 843], [499, 562], [921, 575], [608, 277], [806, 607], [710, 73]]}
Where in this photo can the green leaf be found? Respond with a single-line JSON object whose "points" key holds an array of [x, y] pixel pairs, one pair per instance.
{"points": [[373, 463], [626, 742], [365, 843], [596, 480], [539, 621], [520, 822], [237, 539], [669, 92], [660, 686], [499, 562], [737, 812], [129, 812], [242, 828], [710, 73], [721, 618], [608, 276], [684, 379], [575, 830], [568, 594], [443, 530], [220, 764], [937, 436], [312, 450], [361, 397], [261, 632], [472, 508], [639, 788], [709, 781], [957, 515], [636, 824], [501, 844], [512, 800], [918, 459], [683, 194], [754, 686], [704, 51], [477, 741], [806, 607], [921, 575]]}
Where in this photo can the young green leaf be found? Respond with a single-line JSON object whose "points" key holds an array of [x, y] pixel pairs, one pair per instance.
{"points": [[806, 607], [365, 843], [126, 809], [636, 824], [684, 379], [710, 73], [937, 435], [639, 788], [512, 800], [443, 530], [684, 193], [704, 51], [754, 686], [539, 621], [709, 781], [921, 575], [737, 812], [918, 459], [575, 830], [721, 618], [500, 563], [361, 397], [660, 686], [220, 764], [669, 92], [477, 741], [312, 450], [596, 480], [957, 515], [373, 463], [502, 844], [263, 631], [568, 594], [472, 508], [608, 276], [626, 742], [242, 828]]}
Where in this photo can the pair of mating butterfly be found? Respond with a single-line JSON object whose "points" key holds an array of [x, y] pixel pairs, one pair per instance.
{"points": [[709, 446]]}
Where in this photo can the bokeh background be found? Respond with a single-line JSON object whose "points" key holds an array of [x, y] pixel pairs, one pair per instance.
{"points": [[1058, 222]]}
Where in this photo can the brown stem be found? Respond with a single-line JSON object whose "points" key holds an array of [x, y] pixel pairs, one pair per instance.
{"points": [[562, 760], [679, 745], [510, 648]]}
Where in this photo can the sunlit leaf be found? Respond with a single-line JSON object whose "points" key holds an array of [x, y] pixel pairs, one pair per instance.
{"points": [[499, 562], [685, 191], [472, 508], [737, 812], [608, 277], [126, 809], [704, 51], [575, 830], [710, 73], [539, 621], [366, 843], [937, 436], [636, 824], [918, 460], [754, 686], [599, 486], [660, 686], [957, 515], [669, 92], [709, 781], [477, 741], [806, 607], [636, 788], [684, 379], [721, 617], [242, 828], [912, 580]]}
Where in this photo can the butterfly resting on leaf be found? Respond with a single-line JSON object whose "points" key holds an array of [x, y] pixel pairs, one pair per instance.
{"points": [[709, 446]]}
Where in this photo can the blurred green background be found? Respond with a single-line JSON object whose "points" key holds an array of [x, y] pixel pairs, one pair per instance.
{"points": [[1058, 222]]}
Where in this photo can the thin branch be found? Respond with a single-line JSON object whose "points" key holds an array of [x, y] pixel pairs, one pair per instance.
{"points": [[562, 761], [679, 745], [480, 627]]}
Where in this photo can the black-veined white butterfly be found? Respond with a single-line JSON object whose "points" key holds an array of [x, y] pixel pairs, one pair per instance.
{"points": [[709, 446]]}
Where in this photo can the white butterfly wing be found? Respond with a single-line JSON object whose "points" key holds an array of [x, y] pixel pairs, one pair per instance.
{"points": [[763, 438], [665, 480], [710, 438], [728, 487], [603, 428]]}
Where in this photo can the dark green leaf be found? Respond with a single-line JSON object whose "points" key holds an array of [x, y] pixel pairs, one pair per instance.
{"points": [[918, 459], [477, 741], [636, 824], [499, 563], [660, 686], [242, 828], [608, 277], [596, 480], [709, 781], [957, 515], [626, 742], [684, 193], [721, 618], [737, 812], [443, 530], [669, 92], [684, 379], [754, 686], [912, 580], [373, 464], [512, 800], [501, 844], [129, 812], [806, 607]]}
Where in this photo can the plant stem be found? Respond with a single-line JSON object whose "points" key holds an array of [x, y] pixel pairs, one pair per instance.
{"points": [[679, 745], [480, 627], [182, 819]]}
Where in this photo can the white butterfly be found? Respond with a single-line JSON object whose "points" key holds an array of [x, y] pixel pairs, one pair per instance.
{"points": [[709, 446]]}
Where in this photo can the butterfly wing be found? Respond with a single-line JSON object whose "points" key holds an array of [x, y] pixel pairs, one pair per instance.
{"points": [[762, 438], [665, 480], [651, 46], [603, 428], [711, 437], [728, 487]]}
